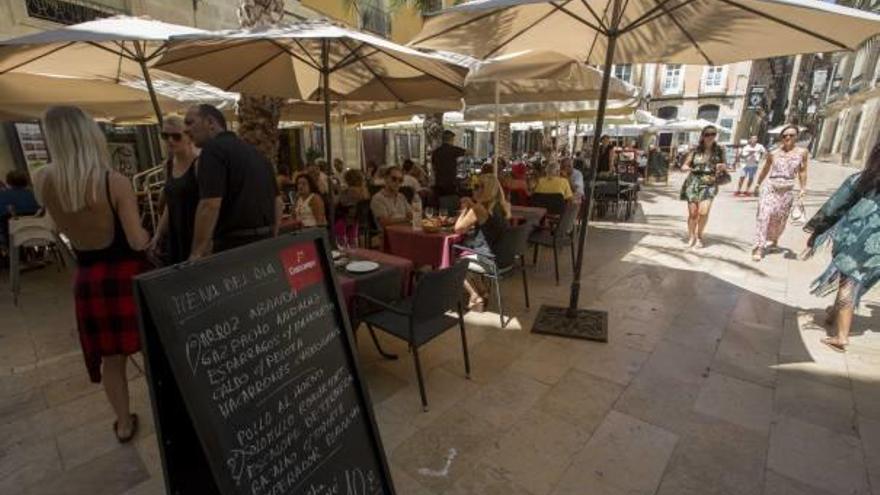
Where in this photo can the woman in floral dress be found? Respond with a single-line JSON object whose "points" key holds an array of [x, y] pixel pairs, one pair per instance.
{"points": [[851, 220], [700, 188], [776, 196]]}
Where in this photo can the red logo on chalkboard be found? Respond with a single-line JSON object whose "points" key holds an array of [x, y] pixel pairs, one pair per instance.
{"points": [[301, 265]]}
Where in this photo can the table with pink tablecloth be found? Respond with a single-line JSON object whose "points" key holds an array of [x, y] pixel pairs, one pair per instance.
{"points": [[432, 249]]}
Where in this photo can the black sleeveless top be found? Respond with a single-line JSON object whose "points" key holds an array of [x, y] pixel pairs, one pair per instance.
{"points": [[484, 238], [181, 200], [118, 250]]}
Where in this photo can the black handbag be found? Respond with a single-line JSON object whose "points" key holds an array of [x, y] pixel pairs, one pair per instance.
{"points": [[723, 178]]}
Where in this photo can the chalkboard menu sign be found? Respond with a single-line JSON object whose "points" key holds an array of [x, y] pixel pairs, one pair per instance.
{"points": [[254, 382]]}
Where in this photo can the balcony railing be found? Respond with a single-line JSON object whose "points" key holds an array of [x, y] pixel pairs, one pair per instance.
{"points": [[375, 20]]}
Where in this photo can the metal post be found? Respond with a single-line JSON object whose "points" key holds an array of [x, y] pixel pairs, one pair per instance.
{"points": [[328, 149], [594, 164], [142, 62], [497, 125]]}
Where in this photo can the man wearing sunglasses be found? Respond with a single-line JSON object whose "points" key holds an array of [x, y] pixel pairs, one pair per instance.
{"points": [[389, 205], [752, 154], [239, 199]]}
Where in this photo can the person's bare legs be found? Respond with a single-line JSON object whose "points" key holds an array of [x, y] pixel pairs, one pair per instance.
{"points": [[843, 314], [739, 186], [693, 218], [474, 297], [115, 382], [704, 208]]}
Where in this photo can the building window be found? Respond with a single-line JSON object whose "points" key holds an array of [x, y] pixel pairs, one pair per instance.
{"points": [[713, 79], [672, 79], [68, 11], [431, 6], [859, 65], [667, 113], [375, 18], [726, 123], [708, 112], [624, 72]]}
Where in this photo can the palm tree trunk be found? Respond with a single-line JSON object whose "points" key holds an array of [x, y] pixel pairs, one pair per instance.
{"points": [[258, 116]]}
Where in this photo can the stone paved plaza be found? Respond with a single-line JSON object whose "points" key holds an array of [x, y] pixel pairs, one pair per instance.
{"points": [[713, 382]]}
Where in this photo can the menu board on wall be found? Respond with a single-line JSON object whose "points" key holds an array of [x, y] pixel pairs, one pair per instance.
{"points": [[255, 385], [33, 146]]}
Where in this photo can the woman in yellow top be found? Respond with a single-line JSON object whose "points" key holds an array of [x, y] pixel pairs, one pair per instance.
{"points": [[553, 183]]}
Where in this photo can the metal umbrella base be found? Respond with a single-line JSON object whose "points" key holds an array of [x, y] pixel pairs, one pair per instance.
{"points": [[587, 324]]}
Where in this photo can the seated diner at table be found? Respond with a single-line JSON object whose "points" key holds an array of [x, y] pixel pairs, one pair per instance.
{"points": [[575, 178], [483, 220], [309, 206], [389, 205], [355, 191], [552, 183]]}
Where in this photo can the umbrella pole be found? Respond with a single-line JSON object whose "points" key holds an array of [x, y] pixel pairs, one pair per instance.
{"points": [[328, 150], [142, 62], [497, 125], [594, 165]]}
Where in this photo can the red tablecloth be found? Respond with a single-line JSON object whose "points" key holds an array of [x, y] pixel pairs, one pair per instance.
{"points": [[422, 248], [392, 281]]}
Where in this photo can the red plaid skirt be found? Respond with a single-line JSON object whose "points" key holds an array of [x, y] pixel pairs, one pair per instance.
{"points": [[106, 315]]}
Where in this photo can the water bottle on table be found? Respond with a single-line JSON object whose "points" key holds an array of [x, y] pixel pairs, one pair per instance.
{"points": [[417, 212]]}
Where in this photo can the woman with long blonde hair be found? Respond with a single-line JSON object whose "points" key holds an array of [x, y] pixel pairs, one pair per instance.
{"points": [[96, 208], [483, 218]]}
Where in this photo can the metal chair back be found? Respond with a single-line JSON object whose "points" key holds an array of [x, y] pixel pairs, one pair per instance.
{"points": [[514, 241], [554, 203], [438, 292]]}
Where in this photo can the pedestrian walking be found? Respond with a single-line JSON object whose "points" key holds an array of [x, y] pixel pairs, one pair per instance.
{"points": [[784, 165], [752, 155], [181, 194], [850, 219], [700, 186], [239, 199], [95, 207]]}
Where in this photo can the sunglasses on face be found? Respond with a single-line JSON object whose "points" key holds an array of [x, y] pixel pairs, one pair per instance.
{"points": [[789, 135], [395, 178], [710, 134], [175, 136]]}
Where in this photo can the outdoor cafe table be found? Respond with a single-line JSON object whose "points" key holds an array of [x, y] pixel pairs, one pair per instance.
{"points": [[390, 282], [423, 248]]}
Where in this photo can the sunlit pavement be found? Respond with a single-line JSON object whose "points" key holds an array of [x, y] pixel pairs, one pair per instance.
{"points": [[714, 380]]}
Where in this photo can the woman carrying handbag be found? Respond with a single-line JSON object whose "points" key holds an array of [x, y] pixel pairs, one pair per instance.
{"points": [[784, 166]]}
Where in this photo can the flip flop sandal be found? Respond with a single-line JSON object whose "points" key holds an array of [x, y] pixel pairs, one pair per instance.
{"points": [[834, 346], [134, 429]]}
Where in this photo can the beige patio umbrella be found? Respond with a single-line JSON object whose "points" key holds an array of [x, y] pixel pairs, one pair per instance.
{"points": [[115, 49], [314, 60], [606, 32], [27, 96], [563, 110]]}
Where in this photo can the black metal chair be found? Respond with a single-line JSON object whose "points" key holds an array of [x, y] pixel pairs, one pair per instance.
{"points": [[366, 223], [502, 263], [419, 319], [554, 203], [450, 203], [556, 236]]}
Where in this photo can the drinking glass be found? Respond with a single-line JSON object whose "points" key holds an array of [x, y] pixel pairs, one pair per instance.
{"points": [[429, 212]]}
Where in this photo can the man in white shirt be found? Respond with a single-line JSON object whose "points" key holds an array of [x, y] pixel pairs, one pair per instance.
{"points": [[752, 156], [389, 205]]}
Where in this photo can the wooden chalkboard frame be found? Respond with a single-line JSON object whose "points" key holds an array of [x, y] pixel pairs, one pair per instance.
{"points": [[182, 447]]}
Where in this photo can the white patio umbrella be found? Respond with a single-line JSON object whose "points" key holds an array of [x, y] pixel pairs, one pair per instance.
{"points": [[117, 49], [564, 110], [606, 32], [682, 125]]}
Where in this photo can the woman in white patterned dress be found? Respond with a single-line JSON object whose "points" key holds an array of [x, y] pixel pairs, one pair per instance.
{"points": [[784, 165]]}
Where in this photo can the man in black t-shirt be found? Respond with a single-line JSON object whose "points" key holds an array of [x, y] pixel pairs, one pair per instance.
{"points": [[239, 201], [444, 163]]}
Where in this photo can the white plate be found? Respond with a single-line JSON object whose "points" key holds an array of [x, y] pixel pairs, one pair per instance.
{"points": [[362, 266], [336, 254]]}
